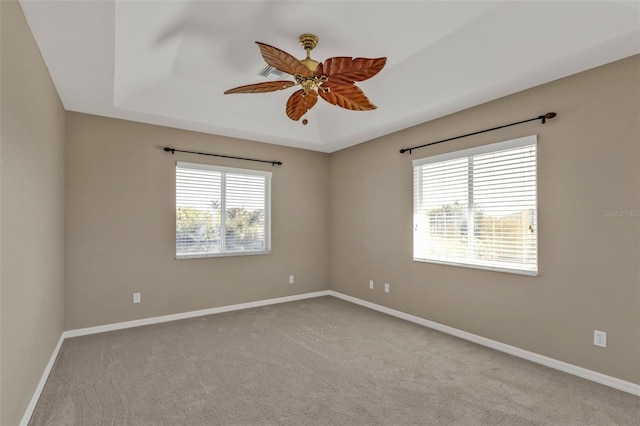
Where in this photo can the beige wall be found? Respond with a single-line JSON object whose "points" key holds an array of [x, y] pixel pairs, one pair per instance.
{"points": [[589, 162], [120, 234], [32, 209]]}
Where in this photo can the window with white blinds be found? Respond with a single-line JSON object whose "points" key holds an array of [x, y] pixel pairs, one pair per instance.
{"points": [[221, 211], [478, 207]]}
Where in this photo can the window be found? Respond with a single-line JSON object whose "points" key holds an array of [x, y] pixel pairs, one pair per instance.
{"points": [[477, 207], [221, 211]]}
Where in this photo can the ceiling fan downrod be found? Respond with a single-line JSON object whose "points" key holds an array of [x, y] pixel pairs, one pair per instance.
{"points": [[308, 42]]}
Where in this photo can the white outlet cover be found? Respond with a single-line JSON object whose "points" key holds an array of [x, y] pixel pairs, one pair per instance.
{"points": [[136, 298], [371, 284], [600, 338], [291, 279], [386, 287]]}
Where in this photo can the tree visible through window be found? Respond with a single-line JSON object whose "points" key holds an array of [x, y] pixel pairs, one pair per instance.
{"points": [[477, 207], [221, 211]]}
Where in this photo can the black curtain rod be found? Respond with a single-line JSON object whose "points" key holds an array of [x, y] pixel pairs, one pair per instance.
{"points": [[543, 118], [173, 151]]}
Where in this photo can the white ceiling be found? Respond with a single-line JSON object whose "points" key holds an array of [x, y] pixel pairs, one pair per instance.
{"points": [[169, 62]]}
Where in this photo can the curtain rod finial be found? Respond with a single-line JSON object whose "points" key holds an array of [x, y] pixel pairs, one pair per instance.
{"points": [[547, 116]]}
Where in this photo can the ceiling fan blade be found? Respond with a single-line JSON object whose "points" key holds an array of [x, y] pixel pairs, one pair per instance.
{"points": [[299, 103], [347, 96], [345, 70], [281, 60], [269, 86]]}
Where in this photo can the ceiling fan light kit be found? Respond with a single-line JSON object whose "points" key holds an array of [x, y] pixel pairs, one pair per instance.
{"points": [[333, 80]]}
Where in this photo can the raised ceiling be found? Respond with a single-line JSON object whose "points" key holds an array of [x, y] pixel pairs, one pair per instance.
{"points": [[169, 62]]}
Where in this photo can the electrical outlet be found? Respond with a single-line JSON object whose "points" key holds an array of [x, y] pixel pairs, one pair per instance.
{"points": [[386, 287], [291, 280], [136, 298], [600, 338], [371, 284]]}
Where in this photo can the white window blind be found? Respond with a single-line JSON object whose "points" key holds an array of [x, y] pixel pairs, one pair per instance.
{"points": [[221, 211], [478, 207]]}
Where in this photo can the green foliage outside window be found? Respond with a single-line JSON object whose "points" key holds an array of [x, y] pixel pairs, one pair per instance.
{"points": [[199, 230]]}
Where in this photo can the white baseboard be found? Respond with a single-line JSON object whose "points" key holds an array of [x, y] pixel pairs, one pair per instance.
{"points": [[190, 314], [594, 376], [613, 382], [45, 375]]}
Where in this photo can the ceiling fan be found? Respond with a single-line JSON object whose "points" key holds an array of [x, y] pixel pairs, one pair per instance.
{"points": [[333, 79]]}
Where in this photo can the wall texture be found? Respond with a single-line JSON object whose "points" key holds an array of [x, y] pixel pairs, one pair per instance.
{"points": [[120, 234], [32, 211], [588, 162]]}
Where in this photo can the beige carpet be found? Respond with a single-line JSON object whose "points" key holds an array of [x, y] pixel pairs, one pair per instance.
{"points": [[314, 362]]}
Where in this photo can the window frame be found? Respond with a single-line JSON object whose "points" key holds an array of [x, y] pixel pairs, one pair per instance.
{"points": [[469, 153], [224, 171]]}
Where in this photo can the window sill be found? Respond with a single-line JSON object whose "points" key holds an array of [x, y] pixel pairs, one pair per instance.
{"points": [[229, 254], [485, 267]]}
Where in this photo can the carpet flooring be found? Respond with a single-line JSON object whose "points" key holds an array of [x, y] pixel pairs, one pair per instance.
{"points": [[319, 361]]}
